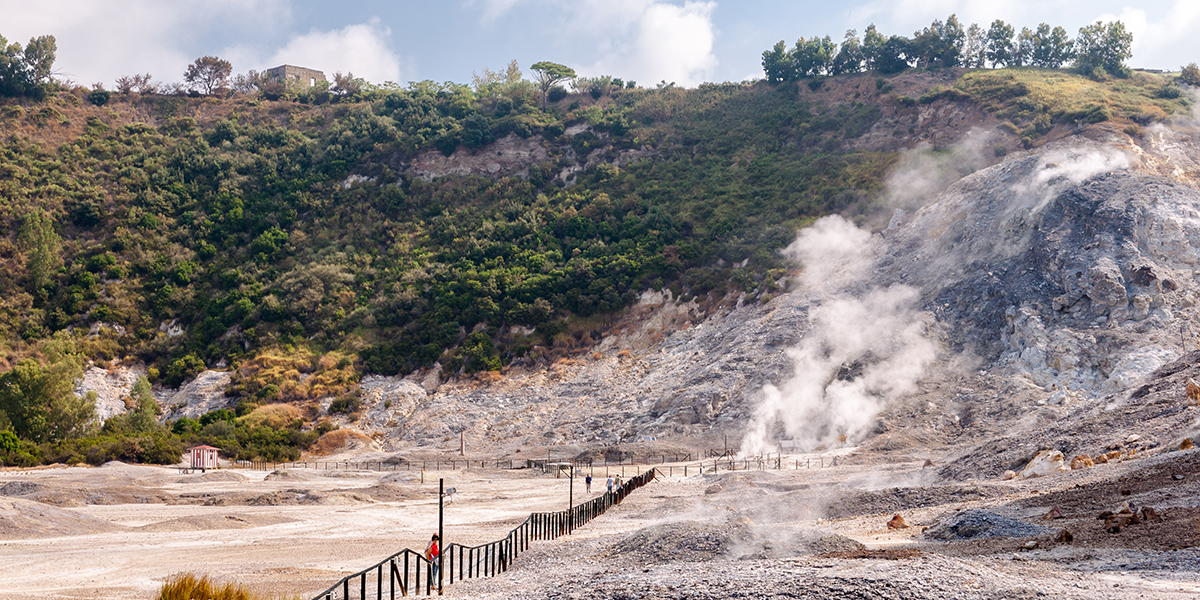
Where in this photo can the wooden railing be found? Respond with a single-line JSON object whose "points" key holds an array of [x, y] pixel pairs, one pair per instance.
{"points": [[408, 572]]}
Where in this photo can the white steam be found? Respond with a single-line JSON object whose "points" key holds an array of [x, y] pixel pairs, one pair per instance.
{"points": [[923, 172], [866, 345], [1064, 169]]}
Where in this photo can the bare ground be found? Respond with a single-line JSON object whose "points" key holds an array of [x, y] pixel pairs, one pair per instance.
{"points": [[118, 531]]}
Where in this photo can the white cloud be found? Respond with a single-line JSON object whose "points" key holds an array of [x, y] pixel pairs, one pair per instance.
{"points": [[362, 49], [103, 41], [494, 9], [647, 40], [1167, 42]]}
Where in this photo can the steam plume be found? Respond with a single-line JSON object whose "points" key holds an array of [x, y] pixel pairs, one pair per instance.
{"points": [[866, 344]]}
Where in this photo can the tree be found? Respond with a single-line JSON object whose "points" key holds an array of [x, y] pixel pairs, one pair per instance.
{"points": [[347, 86], [1023, 48], [548, 74], [39, 58], [39, 399], [872, 45], [813, 57], [140, 84], [1051, 47], [1103, 46], [777, 63], [42, 247], [999, 43], [1190, 75], [894, 55], [142, 416], [974, 47], [209, 73], [23, 71], [849, 58]]}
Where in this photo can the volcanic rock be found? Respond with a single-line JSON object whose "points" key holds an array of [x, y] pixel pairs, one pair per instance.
{"points": [[1045, 462], [897, 522]]}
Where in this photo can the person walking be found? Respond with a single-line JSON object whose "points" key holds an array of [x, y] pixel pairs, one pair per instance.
{"points": [[431, 554], [587, 483], [609, 484]]}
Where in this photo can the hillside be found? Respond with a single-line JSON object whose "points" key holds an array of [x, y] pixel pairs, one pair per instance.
{"points": [[443, 233]]}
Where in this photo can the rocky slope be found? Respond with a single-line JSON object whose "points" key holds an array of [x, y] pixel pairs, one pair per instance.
{"points": [[1051, 283]]}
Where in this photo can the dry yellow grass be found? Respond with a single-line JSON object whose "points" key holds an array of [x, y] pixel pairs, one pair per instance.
{"points": [[276, 416], [336, 440], [186, 586], [1022, 94]]}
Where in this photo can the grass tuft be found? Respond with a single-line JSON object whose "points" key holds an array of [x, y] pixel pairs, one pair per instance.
{"points": [[186, 586]]}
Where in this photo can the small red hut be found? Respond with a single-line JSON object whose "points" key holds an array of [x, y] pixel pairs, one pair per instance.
{"points": [[204, 457]]}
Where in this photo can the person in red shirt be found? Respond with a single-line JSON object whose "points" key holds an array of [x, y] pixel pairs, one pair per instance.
{"points": [[431, 554]]}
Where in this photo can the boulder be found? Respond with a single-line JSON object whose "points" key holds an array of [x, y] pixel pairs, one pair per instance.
{"points": [[1186, 444], [1064, 537], [897, 522], [1193, 391], [1045, 462], [1010, 474], [1055, 513], [1081, 461]]}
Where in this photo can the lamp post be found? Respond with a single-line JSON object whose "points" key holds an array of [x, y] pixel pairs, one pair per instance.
{"points": [[571, 500], [441, 541]]}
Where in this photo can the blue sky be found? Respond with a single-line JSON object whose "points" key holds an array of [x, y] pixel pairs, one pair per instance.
{"points": [[687, 42]]}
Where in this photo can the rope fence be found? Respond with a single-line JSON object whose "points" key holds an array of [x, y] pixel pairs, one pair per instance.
{"points": [[408, 572]]}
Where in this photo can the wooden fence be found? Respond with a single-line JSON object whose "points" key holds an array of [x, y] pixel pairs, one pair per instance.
{"points": [[408, 572]]}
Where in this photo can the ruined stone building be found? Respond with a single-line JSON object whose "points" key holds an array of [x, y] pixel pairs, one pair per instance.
{"points": [[309, 77]]}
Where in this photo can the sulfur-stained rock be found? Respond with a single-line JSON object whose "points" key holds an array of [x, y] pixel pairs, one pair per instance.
{"points": [[1186, 444], [1045, 462], [1193, 391], [1081, 461]]}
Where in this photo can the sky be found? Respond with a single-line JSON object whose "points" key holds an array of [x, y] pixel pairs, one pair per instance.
{"points": [[687, 42]]}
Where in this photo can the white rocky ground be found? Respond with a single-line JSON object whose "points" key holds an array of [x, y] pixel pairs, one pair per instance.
{"points": [[118, 531]]}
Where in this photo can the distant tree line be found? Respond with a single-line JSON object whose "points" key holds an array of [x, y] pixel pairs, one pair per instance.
{"points": [[1100, 48]]}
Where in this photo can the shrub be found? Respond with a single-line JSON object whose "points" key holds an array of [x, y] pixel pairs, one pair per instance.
{"points": [[556, 93], [182, 369], [346, 405], [99, 97], [1190, 75]]}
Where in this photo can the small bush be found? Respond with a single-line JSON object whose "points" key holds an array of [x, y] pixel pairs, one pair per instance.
{"points": [[1042, 124], [346, 405], [556, 93], [99, 97], [1008, 127], [1190, 75], [1170, 91], [906, 101]]}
